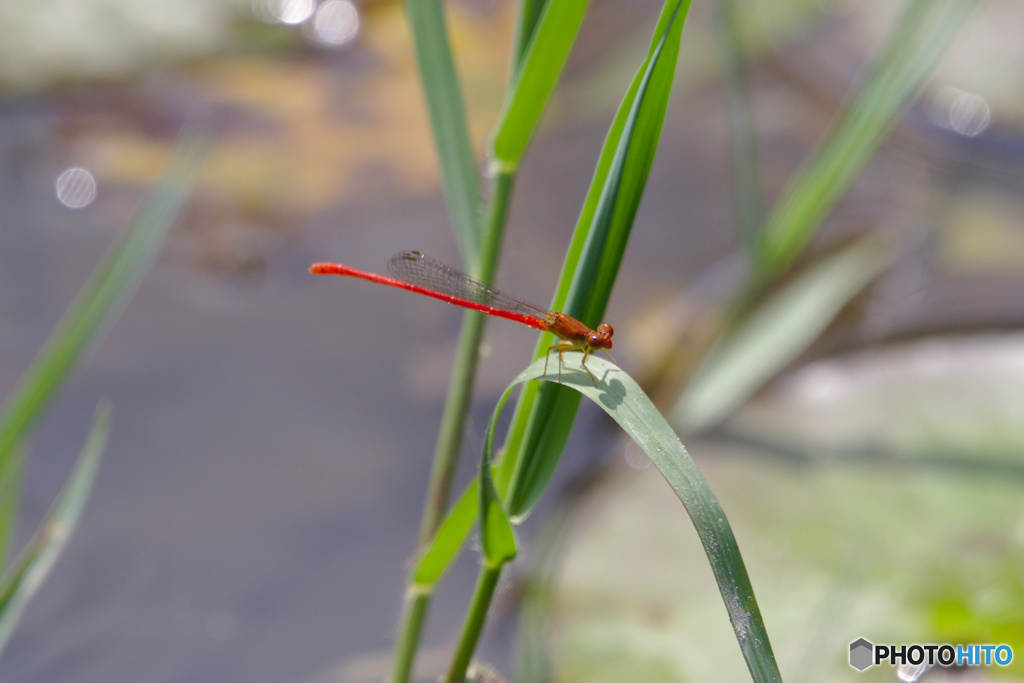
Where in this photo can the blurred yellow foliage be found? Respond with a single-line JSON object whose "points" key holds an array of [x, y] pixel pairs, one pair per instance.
{"points": [[982, 233], [316, 132]]}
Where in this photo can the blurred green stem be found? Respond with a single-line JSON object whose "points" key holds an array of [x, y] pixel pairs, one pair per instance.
{"points": [[460, 389], [414, 614], [10, 496], [739, 111], [486, 582], [453, 422], [460, 180], [921, 36], [97, 303]]}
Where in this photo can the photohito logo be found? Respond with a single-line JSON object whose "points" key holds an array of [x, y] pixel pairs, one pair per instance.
{"points": [[864, 654]]}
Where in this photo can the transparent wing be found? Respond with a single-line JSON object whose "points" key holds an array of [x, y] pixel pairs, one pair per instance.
{"points": [[423, 271]]}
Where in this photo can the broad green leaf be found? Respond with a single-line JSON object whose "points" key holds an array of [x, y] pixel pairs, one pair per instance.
{"points": [[535, 80], [23, 578], [448, 123], [619, 396], [919, 39], [544, 417], [99, 300], [776, 333]]}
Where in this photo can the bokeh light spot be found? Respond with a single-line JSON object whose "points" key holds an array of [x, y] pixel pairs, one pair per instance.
{"points": [[283, 11], [335, 23], [958, 110], [76, 188], [969, 114]]}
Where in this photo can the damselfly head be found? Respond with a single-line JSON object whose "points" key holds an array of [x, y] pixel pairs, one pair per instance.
{"points": [[602, 338]]}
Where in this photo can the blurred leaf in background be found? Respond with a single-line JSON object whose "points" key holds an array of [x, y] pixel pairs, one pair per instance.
{"points": [[96, 305]]}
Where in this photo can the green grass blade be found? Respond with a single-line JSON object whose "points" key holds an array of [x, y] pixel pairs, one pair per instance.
{"points": [[535, 80], [619, 396], [544, 417], [22, 579], [456, 527], [447, 542], [460, 386], [739, 110], [526, 21], [919, 39], [472, 626], [776, 333], [10, 496], [448, 124], [606, 221], [107, 289], [497, 540], [479, 246]]}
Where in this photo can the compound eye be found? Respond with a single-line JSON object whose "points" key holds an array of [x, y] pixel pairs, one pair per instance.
{"points": [[594, 339], [605, 330]]}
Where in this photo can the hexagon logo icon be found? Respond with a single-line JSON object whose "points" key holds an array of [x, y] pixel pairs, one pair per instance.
{"points": [[861, 654]]}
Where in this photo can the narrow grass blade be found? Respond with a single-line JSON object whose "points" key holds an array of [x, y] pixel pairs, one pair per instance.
{"points": [[448, 123], [919, 39], [606, 221], [774, 335], [739, 110], [23, 578], [526, 21], [479, 246], [619, 396], [559, 414], [460, 386], [10, 495], [447, 542], [544, 417], [535, 80], [107, 289], [472, 626], [497, 540]]}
